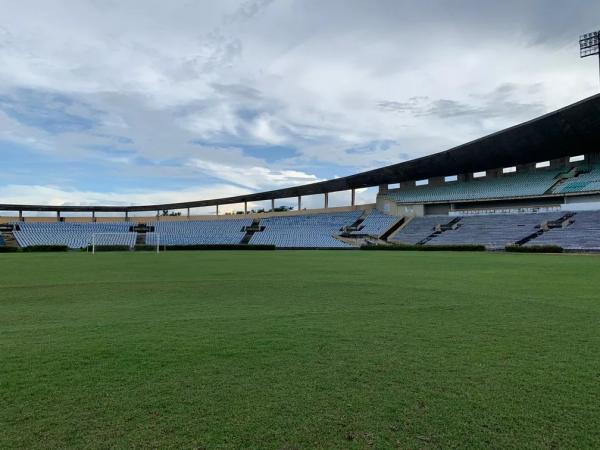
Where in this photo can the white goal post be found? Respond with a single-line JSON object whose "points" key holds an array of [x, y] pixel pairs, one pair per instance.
{"points": [[97, 240]]}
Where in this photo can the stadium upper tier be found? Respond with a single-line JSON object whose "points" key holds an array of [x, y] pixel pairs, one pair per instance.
{"points": [[531, 183]]}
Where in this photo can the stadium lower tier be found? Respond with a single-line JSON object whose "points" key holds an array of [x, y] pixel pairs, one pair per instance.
{"points": [[74, 235], [198, 232], [570, 230]]}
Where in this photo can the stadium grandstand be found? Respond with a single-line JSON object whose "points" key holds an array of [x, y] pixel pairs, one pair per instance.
{"points": [[535, 183]]}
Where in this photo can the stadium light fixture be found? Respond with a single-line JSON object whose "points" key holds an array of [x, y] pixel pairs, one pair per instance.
{"points": [[589, 45]]}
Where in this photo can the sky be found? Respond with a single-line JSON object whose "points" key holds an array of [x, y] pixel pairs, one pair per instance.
{"points": [[124, 102]]}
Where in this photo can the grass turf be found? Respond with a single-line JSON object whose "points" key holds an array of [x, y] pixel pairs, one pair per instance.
{"points": [[299, 350]]}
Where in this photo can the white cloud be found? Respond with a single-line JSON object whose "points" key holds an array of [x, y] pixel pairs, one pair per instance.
{"points": [[312, 76], [254, 177], [56, 195]]}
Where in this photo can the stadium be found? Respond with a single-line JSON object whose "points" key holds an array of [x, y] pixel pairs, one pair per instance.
{"points": [[459, 309], [535, 184]]}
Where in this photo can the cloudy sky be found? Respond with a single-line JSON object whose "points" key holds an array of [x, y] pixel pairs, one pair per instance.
{"points": [[123, 101]]}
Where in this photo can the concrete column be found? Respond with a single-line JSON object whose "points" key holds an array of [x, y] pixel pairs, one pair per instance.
{"points": [[383, 188], [217, 210], [299, 203], [245, 207], [436, 181], [20, 216], [157, 216], [559, 162], [126, 216], [188, 213], [272, 204], [353, 197], [592, 158], [525, 167], [94, 216], [326, 195], [493, 173], [58, 216]]}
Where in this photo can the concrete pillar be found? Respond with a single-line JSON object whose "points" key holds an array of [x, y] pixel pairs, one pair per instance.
{"points": [[272, 204], [326, 198], [157, 216], [436, 181], [493, 173], [217, 210], [245, 207], [559, 162], [94, 216], [20, 216], [188, 213], [126, 216], [58, 216], [525, 167], [383, 188], [299, 202], [464, 177], [592, 158], [353, 197]]}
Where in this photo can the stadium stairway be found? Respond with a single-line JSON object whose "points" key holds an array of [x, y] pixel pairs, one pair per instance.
{"points": [[563, 178], [6, 232], [357, 224], [441, 228], [254, 227], [141, 229], [393, 229], [561, 222], [404, 222]]}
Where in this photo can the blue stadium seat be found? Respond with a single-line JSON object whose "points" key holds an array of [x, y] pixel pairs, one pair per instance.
{"points": [[376, 223], [520, 184], [72, 234], [198, 232], [305, 231]]}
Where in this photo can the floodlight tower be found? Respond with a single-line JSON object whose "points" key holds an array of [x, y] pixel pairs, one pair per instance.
{"points": [[589, 45]]}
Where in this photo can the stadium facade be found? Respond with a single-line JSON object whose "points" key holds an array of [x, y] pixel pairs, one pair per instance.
{"points": [[517, 186]]}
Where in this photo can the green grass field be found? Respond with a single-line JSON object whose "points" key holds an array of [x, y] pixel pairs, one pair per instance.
{"points": [[295, 350]]}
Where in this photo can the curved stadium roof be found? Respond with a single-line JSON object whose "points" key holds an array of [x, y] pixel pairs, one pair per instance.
{"points": [[572, 130]]}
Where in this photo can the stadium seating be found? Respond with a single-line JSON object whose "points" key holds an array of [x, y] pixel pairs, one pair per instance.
{"points": [[2, 241], [418, 229], [521, 184], [589, 180], [73, 235], [582, 234], [305, 231], [494, 231], [376, 223], [198, 232]]}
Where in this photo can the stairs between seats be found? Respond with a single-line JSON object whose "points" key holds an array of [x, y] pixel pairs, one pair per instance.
{"points": [[441, 228]]}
